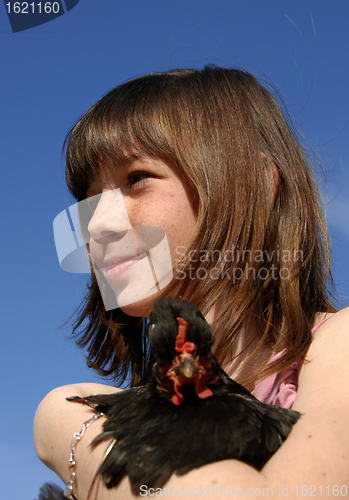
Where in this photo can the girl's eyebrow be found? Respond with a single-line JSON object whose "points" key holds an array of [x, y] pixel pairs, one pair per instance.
{"points": [[132, 157]]}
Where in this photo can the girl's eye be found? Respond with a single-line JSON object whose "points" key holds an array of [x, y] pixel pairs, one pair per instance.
{"points": [[138, 178]]}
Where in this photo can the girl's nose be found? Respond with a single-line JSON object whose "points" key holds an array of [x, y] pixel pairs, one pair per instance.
{"points": [[110, 215]]}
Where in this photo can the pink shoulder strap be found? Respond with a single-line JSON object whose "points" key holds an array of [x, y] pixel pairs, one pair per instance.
{"points": [[316, 327]]}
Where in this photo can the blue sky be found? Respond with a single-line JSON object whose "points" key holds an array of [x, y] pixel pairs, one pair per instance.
{"points": [[51, 74]]}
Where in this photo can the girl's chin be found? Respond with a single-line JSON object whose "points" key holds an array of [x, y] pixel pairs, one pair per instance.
{"points": [[142, 308]]}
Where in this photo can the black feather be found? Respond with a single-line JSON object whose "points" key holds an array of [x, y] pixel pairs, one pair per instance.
{"points": [[156, 438], [49, 491]]}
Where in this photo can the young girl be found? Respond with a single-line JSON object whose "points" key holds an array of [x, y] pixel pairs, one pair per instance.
{"points": [[208, 157]]}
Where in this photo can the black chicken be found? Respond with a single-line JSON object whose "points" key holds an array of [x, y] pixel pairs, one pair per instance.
{"points": [[188, 413]]}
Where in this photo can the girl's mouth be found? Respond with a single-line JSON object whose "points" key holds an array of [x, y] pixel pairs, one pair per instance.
{"points": [[114, 271]]}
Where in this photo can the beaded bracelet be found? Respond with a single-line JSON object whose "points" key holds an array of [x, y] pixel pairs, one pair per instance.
{"points": [[68, 492]]}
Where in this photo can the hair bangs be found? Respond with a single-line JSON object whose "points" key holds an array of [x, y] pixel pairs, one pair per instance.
{"points": [[128, 121]]}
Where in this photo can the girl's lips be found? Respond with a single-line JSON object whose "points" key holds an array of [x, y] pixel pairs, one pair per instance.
{"points": [[115, 271]]}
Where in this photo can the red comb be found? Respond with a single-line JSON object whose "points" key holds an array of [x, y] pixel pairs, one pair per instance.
{"points": [[181, 345]]}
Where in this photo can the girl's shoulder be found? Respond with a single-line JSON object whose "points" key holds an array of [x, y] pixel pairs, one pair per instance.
{"points": [[328, 353], [330, 337], [326, 368], [329, 330], [280, 389]]}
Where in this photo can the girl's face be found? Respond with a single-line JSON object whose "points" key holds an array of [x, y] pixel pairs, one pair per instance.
{"points": [[143, 194]]}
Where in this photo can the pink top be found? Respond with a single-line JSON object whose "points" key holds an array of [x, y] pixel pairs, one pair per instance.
{"points": [[280, 389]]}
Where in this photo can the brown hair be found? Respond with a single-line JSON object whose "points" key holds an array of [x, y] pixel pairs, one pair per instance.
{"points": [[212, 125]]}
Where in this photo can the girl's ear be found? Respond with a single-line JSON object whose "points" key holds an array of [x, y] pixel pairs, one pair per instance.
{"points": [[272, 175]]}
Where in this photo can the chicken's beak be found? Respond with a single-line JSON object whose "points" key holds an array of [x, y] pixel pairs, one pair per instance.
{"points": [[188, 367]]}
